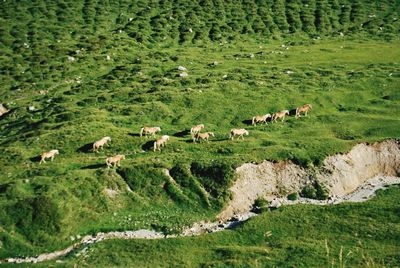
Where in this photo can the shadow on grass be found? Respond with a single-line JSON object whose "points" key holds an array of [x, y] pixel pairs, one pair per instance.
{"points": [[85, 148], [94, 166], [148, 145], [134, 134], [190, 141], [247, 122], [182, 134], [35, 158], [292, 112]]}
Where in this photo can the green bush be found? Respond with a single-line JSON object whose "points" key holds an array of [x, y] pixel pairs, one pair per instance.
{"points": [[315, 191], [309, 191], [293, 196], [261, 203]]}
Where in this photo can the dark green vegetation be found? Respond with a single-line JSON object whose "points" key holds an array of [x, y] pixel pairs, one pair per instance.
{"points": [[107, 75], [347, 235]]}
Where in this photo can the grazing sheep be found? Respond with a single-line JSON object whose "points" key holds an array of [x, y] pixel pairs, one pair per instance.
{"points": [[160, 142], [279, 115], [49, 154], [260, 118], [238, 132], [196, 129], [203, 136], [100, 143], [303, 109], [114, 161], [149, 130]]}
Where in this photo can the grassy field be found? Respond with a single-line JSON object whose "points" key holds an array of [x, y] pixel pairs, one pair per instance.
{"points": [[75, 71], [353, 86], [346, 235]]}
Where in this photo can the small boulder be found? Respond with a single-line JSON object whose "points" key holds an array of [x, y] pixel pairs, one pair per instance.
{"points": [[182, 68]]}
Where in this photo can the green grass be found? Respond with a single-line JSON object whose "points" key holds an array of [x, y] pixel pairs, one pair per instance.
{"points": [[353, 96], [351, 81], [345, 235]]}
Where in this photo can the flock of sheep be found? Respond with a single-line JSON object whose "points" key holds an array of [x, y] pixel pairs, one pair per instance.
{"points": [[195, 132]]}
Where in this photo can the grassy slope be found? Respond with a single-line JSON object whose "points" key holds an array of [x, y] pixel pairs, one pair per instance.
{"points": [[348, 83], [352, 83], [357, 235]]}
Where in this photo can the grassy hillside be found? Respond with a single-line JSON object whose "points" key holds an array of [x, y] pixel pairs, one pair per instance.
{"points": [[346, 235], [75, 71]]}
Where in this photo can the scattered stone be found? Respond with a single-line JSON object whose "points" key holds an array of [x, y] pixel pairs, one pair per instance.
{"points": [[71, 59], [251, 55], [183, 74], [31, 108], [182, 68], [215, 63], [225, 76], [108, 57], [275, 203], [110, 192], [289, 72]]}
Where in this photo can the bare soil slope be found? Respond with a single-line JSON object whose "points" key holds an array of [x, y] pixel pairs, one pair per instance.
{"points": [[341, 174]]}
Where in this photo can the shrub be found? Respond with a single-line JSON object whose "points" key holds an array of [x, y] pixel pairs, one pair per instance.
{"points": [[309, 191], [261, 202], [315, 191], [322, 192], [260, 205], [293, 196]]}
